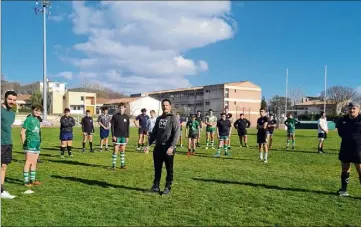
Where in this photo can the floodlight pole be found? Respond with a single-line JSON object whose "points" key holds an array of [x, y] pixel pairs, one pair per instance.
{"points": [[286, 92], [325, 96]]}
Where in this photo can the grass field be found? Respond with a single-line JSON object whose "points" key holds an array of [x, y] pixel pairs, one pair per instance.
{"points": [[295, 188]]}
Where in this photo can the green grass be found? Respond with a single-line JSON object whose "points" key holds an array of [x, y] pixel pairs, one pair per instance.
{"points": [[295, 188]]}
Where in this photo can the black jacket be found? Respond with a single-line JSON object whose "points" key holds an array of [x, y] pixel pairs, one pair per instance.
{"points": [[120, 125], [66, 124], [242, 124], [350, 130], [87, 124], [166, 130]]}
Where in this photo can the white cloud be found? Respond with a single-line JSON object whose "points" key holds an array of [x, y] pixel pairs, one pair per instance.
{"points": [[140, 46], [358, 89], [57, 18], [66, 75]]}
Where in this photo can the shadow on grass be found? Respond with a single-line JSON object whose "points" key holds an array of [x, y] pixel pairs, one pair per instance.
{"points": [[208, 155], [76, 163], [275, 187], [302, 151], [13, 181], [99, 183]]}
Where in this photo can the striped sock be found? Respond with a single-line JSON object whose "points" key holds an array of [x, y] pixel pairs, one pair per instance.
{"points": [[266, 156], [225, 147], [122, 159], [207, 143], [32, 175], [114, 160], [26, 177], [212, 143], [293, 143], [218, 150], [288, 143]]}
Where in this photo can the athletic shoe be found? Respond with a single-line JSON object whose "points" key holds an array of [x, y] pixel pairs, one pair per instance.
{"points": [[293, 148], [213, 148], [226, 153], [28, 185], [265, 161], [39, 161], [106, 149], [36, 183], [62, 156], [206, 148], [6, 195], [229, 148], [101, 150], [29, 192], [260, 159], [123, 167], [188, 153], [139, 149], [343, 193], [246, 146], [166, 191], [217, 155], [71, 155], [83, 150], [155, 188], [193, 153], [92, 150]]}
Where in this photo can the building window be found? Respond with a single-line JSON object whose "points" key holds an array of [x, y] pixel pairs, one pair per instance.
{"points": [[235, 103], [82, 98], [226, 90], [208, 91], [176, 105], [226, 103], [235, 90], [208, 103], [225, 106], [74, 108]]}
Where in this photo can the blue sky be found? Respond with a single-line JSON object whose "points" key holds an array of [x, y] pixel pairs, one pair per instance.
{"points": [[269, 37]]}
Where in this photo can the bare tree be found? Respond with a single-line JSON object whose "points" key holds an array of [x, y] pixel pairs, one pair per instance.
{"points": [[296, 95], [339, 95]]}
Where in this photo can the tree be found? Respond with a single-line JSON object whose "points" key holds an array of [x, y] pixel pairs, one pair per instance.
{"points": [[36, 98], [264, 103], [339, 95], [296, 95], [277, 104]]}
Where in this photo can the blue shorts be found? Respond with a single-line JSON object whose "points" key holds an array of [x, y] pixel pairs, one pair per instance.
{"points": [[65, 136], [104, 133]]}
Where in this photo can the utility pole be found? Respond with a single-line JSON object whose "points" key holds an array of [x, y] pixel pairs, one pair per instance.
{"points": [[286, 92], [325, 96], [41, 7]]}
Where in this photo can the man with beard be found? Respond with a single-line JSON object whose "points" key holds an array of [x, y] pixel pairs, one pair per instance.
{"points": [[7, 119]]}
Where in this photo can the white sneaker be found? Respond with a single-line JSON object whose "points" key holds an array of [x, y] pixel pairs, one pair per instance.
{"points": [[6, 195], [265, 161], [29, 192]]}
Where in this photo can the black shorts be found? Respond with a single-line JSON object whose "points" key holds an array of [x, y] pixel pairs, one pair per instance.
{"points": [[6, 154], [242, 132], [322, 135], [261, 137], [193, 136], [142, 131], [350, 154]]}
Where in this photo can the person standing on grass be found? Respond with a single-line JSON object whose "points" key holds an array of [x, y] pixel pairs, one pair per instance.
{"points": [[30, 138], [270, 130], [322, 132], [211, 122], [229, 117], [66, 133], [192, 131], [120, 132], [104, 123], [200, 122], [242, 124], [291, 130], [87, 127], [349, 129], [151, 123], [7, 120], [262, 123], [223, 132], [165, 133], [40, 120], [141, 123], [180, 141]]}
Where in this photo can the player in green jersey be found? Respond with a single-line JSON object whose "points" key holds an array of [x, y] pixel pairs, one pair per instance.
{"points": [[291, 130], [211, 122], [30, 139], [192, 131]]}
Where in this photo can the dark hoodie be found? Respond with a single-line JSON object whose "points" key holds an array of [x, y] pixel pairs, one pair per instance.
{"points": [[166, 130]]}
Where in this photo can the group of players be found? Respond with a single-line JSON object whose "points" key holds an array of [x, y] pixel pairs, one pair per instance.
{"points": [[118, 125]]}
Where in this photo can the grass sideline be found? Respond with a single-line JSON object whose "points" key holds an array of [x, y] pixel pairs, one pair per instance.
{"points": [[295, 188]]}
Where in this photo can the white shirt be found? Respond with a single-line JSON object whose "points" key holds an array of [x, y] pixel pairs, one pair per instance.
{"points": [[323, 123], [151, 123]]}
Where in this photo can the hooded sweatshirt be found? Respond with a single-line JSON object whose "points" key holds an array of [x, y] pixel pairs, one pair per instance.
{"points": [[166, 130]]}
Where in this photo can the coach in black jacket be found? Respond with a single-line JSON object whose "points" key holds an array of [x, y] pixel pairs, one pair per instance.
{"points": [[349, 129], [165, 133]]}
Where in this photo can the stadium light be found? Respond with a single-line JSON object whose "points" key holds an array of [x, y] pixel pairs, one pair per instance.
{"points": [[41, 7]]}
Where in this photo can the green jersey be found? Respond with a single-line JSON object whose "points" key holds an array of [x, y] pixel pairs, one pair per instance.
{"points": [[7, 119], [291, 124], [193, 127], [211, 119], [32, 126]]}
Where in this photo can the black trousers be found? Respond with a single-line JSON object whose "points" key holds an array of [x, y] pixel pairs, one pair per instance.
{"points": [[159, 156]]}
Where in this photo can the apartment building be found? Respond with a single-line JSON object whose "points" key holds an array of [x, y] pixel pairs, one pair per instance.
{"points": [[238, 97], [77, 102]]}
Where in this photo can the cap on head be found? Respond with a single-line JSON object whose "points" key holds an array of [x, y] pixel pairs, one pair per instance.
{"points": [[353, 104]]}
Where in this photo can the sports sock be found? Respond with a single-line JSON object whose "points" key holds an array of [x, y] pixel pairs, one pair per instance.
{"points": [[212, 143], [69, 150], [261, 155], [26, 177], [2, 188], [114, 160], [106, 146], [225, 147], [293, 143], [62, 150], [32, 175], [83, 145], [138, 145], [101, 146], [142, 144], [91, 145], [345, 176], [265, 155], [122, 159], [193, 150], [288, 143], [218, 150], [207, 143]]}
